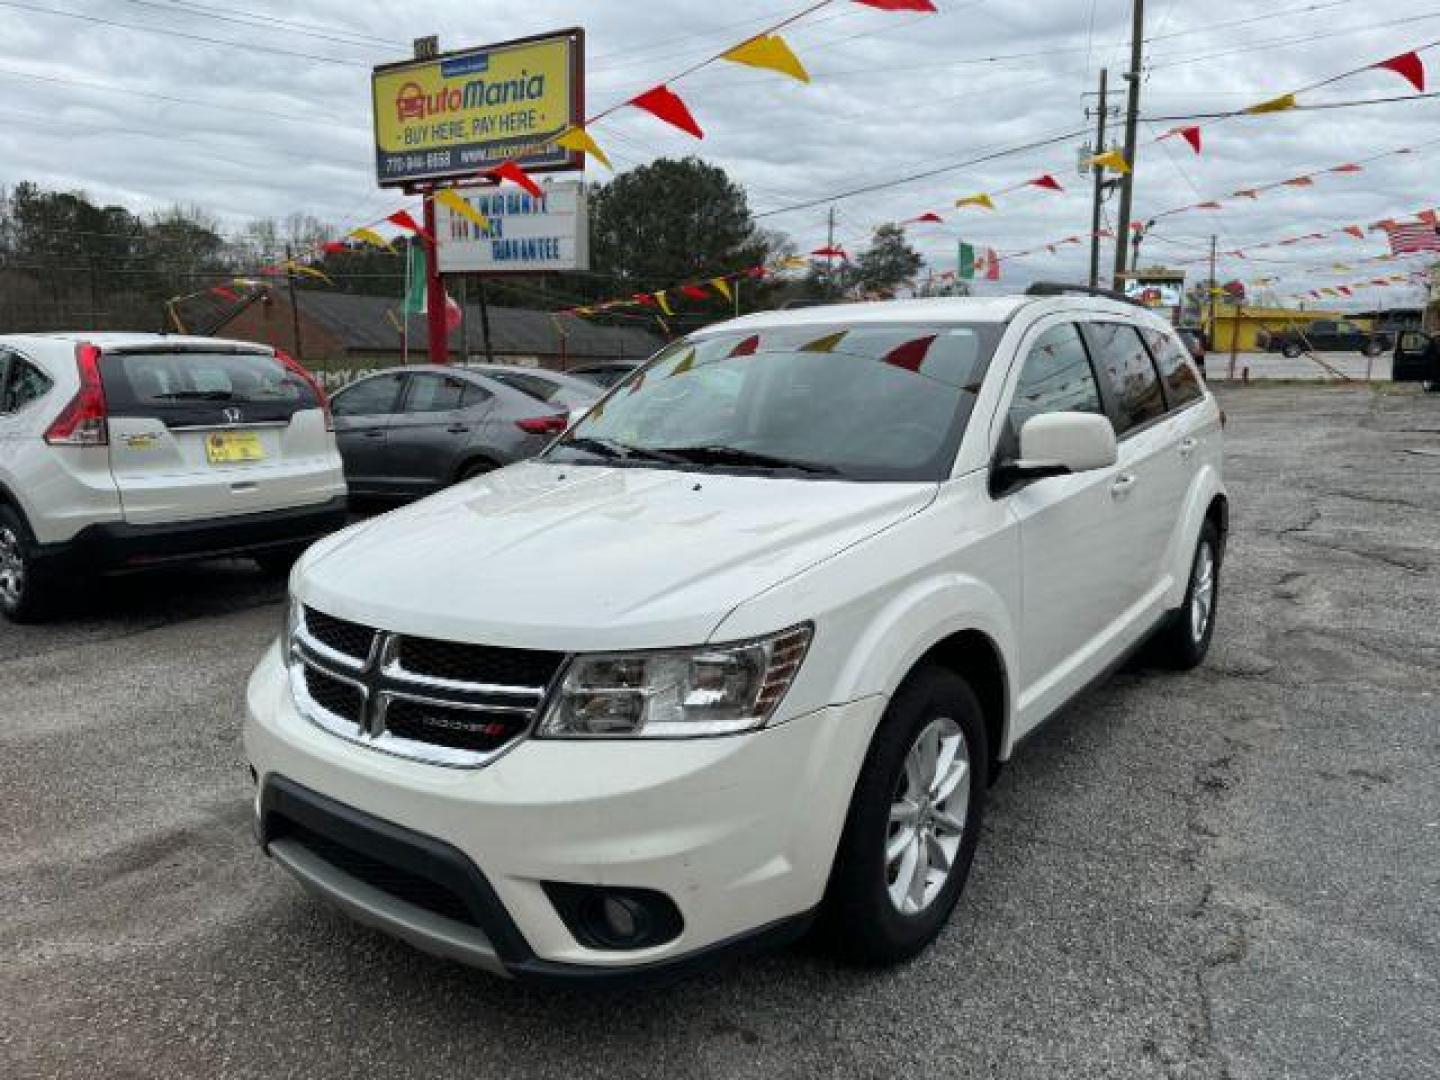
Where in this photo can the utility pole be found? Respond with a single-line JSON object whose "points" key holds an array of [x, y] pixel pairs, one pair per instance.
{"points": [[1101, 112], [1132, 123], [294, 307], [1210, 295]]}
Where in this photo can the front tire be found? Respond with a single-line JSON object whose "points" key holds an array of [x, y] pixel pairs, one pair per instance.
{"points": [[1372, 349], [1183, 643], [1291, 351], [913, 824]]}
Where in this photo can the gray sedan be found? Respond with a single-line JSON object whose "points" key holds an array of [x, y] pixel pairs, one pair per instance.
{"points": [[408, 432]]}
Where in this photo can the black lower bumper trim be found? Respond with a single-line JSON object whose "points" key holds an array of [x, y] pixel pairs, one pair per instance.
{"points": [[117, 546], [429, 879]]}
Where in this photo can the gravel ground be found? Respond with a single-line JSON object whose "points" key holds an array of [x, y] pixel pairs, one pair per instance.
{"points": [[1230, 873]]}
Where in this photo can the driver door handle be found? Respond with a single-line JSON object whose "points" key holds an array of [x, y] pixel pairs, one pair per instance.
{"points": [[1123, 485], [1188, 446], [458, 429]]}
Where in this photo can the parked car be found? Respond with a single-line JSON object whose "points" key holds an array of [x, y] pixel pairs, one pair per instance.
{"points": [[121, 451], [1417, 359], [1195, 341], [1325, 335], [740, 653], [408, 432], [604, 375]]}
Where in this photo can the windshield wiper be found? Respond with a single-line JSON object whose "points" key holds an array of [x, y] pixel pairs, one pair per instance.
{"points": [[619, 451], [197, 395], [734, 455]]}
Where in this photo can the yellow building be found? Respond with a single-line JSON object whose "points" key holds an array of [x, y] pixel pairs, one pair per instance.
{"points": [[1235, 329]]}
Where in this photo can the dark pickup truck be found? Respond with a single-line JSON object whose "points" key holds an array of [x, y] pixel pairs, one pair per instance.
{"points": [[1327, 335]]}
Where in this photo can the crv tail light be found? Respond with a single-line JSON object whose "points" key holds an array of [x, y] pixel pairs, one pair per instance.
{"points": [[83, 421], [314, 384]]}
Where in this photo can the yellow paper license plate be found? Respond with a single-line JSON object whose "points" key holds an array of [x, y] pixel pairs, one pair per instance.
{"points": [[228, 447]]}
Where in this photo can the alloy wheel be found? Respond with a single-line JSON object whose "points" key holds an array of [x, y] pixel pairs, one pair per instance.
{"points": [[12, 568], [1202, 592], [927, 816]]}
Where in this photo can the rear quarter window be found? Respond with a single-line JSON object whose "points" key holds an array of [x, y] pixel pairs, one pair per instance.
{"points": [[1182, 383]]}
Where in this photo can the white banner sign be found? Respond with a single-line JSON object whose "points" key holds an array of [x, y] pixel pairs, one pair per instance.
{"points": [[526, 234]]}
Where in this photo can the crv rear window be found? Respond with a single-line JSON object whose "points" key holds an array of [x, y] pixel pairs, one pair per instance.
{"points": [[196, 388]]}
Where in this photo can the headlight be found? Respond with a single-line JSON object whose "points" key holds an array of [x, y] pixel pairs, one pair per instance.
{"points": [[289, 627], [676, 694]]}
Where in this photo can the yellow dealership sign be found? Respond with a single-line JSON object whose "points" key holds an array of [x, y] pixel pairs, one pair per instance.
{"points": [[464, 112]]}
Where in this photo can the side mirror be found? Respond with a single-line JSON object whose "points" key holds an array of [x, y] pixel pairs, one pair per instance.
{"points": [[1057, 444], [1413, 341]]}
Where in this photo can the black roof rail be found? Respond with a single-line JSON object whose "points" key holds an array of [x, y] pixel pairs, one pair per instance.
{"points": [[1062, 288]]}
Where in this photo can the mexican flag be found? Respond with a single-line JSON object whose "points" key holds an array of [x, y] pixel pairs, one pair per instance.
{"points": [[415, 296], [978, 263]]}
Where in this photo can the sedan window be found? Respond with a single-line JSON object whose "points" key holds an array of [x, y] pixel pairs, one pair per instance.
{"points": [[375, 396], [434, 393]]}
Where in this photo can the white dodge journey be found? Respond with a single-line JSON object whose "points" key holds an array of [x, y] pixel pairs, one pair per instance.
{"points": [[740, 653]]}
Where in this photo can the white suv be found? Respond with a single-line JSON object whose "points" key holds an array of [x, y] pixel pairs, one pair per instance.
{"points": [[120, 451], [741, 651]]}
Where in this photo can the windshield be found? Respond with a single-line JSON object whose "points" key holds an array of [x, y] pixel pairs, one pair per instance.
{"points": [[873, 402]]}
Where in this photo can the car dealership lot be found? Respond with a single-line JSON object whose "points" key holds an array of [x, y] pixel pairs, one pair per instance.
{"points": [[1229, 873]]}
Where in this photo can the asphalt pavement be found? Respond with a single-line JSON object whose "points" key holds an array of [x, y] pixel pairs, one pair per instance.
{"points": [[1232, 873]]}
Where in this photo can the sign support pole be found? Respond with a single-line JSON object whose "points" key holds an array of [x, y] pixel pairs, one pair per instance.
{"points": [[439, 338]]}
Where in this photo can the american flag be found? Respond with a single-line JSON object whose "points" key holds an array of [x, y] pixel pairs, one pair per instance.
{"points": [[1405, 239]]}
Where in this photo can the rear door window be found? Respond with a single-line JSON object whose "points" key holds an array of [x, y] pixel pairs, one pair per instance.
{"points": [[200, 388], [540, 389], [1129, 374], [1182, 384], [434, 393]]}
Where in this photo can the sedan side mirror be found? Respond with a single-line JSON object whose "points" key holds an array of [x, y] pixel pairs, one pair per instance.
{"points": [[1057, 444]]}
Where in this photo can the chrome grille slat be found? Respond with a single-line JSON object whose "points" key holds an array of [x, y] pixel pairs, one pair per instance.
{"points": [[438, 719]]}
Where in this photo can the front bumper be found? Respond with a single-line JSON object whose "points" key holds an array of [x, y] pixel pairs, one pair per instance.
{"points": [[116, 546], [739, 832]]}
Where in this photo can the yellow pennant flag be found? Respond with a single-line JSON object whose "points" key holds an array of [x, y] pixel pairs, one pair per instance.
{"points": [[577, 138], [769, 52], [370, 236], [456, 202], [825, 344], [1113, 160], [1279, 104], [977, 200], [722, 287], [686, 363], [794, 262], [308, 271], [664, 304]]}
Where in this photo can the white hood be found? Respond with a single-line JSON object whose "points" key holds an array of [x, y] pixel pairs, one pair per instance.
{"points": [[584, 558]]}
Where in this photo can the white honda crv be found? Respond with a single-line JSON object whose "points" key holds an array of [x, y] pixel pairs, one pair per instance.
{"points": [[122, 451], [741, 651]]}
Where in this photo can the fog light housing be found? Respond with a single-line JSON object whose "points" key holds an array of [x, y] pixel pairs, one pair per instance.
{"points": [[615, 919]]}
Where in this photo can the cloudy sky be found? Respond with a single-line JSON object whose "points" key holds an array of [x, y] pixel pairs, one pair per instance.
{"points": [[261, 107]]}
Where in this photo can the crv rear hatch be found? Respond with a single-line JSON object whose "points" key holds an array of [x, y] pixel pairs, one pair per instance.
{"points": [[207, 431]]}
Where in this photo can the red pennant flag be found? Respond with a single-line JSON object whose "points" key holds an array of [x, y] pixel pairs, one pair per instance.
{"points": [[1190, 134], [911, 354], [1048, 182], [930, 218], [1208, 206], [222, 291], [1246, 193], [1429, 217], [1344, 290], [748, 347], [508, 170], [1410, 66], [403, 219], [1300, 181], [1355, 231], [1137, 226], [756, 272], [694, 292], [1350, 168], [899, 5], [1381, 282], [335, 247], [835, 252], [644, 298], [664, 103]]}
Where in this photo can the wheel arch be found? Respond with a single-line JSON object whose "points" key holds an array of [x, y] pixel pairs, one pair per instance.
{"points": [[474, 457], [12, 500]]}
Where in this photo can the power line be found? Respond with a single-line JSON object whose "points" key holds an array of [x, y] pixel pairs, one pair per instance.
{"points": [[254, 19]]}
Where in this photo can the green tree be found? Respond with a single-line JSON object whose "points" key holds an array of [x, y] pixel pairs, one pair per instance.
{"points": [[888, 263]]}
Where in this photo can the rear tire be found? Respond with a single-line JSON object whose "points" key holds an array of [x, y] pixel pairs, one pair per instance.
{"points": [[1183, 643], [27, 594], [913, 824], [471, 469], [1291, 351]]}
